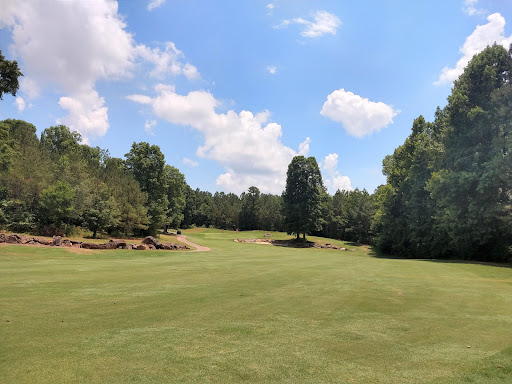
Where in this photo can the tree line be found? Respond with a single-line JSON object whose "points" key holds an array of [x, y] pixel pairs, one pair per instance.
{"points": [[448, 192], [449, 185], [56, 183]]}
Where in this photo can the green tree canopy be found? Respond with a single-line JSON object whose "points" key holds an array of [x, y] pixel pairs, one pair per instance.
{"points": [[301, 197], [147, 164], [9, 74]]}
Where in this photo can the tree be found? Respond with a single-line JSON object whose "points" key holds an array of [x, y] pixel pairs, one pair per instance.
{"points": [[6, 148], [9, 73], [99, 210], [176, 190], [473, 187], [56, 204], [147, 165], [301, 198], [404, 219], [249, 211]]}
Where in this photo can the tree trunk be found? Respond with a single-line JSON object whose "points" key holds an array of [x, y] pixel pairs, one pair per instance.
{"points": [[94, 233], [298, 234], [304, 236]]}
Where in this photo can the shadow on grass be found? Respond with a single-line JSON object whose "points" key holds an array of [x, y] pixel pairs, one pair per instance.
{"points": [[378, 254]]}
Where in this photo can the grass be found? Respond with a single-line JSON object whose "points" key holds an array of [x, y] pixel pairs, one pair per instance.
{"points": [[250, 313]]}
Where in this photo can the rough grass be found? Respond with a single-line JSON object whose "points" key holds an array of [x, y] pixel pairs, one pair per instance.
{"points": [[250, 313]]}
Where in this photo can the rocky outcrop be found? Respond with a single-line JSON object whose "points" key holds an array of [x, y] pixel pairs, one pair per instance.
{"points": [[150, 240], [57, 241]]}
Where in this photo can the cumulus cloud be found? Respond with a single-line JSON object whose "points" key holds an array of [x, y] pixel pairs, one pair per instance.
{"points": [[87, 114], [246, 144], [20, 103], [470, 8], [96, 47], [323, 23], [155, 4], [359, 116], [482, 36], [270, 8], [333, 179], [304, 147], [190, 162], [167, 61], [272, 69], [148, 127]]}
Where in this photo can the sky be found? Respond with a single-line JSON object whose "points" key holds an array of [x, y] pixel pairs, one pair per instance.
{"points": [[232, 90]]}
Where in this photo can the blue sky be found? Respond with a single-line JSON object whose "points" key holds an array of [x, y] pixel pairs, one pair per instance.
{"points": [[232, 90]]}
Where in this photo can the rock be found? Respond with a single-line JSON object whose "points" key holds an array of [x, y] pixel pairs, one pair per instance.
{"points": [[150, 240], [14, 239], [121, 244], [57, 241], [76, 244], [2, 237], [152, 247], [141, 247], [90, 246], [268, 235], [112, 244], [67, 243], [42, 240], [169, 246]]}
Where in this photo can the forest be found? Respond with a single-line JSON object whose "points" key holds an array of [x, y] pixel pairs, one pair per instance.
{"points": [[448, 192]]}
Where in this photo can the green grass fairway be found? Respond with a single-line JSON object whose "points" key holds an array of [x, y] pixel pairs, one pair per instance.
{"points": [[249, 313]]}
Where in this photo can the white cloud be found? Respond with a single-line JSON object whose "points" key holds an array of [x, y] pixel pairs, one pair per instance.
{"points": [[29, 87], [471, 9], [482, 36], [323, 23], [87, 114], [155, 4], [246, 144], [167, 61], [334, 180], [96, 46], [270, 8], [304, 147], [148, 127], [272, 69], [20, 103], [139, 99], [190, 162], [359, 116]]}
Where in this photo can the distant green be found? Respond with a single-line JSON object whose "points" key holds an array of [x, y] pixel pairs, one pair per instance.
{"points": [[249, 313]]}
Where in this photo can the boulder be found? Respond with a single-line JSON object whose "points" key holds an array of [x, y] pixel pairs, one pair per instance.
{"points": [[112, 244], [14, 239], [151, 246], [150, 240], [42, 240], [67, 243], [90, 246], [121, 244], [2, 237], [168, 246], [141, 247], [57, 241]]}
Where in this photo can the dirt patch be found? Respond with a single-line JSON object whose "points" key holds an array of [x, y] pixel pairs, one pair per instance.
{"points": [[292, 243]]}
